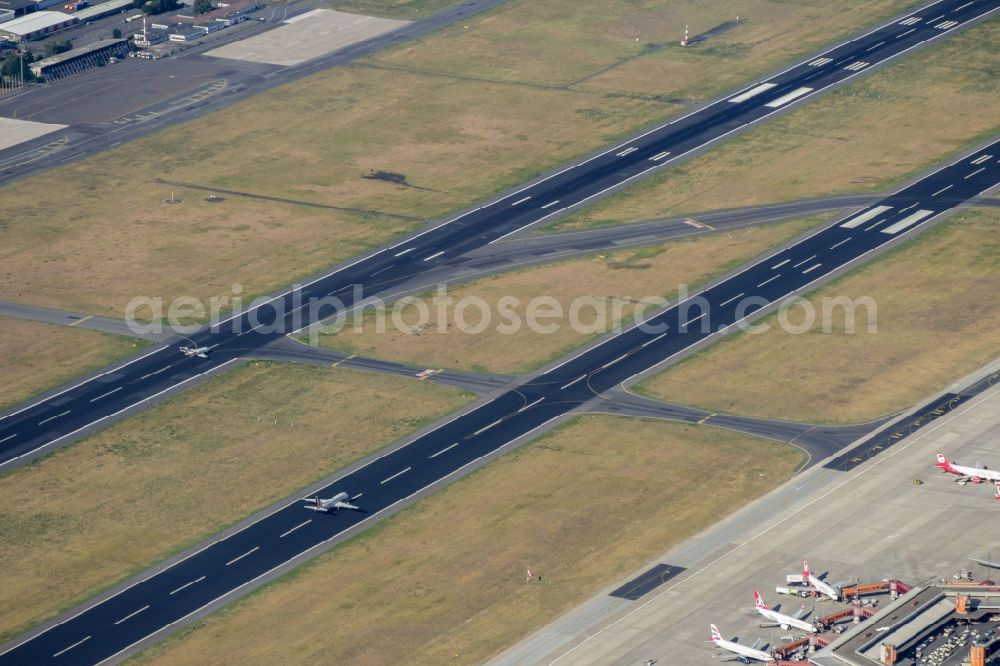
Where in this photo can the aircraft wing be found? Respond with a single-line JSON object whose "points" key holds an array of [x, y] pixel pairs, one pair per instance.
{"points": [[346, 505], [756, 644], [986, 563], [803, 613]]}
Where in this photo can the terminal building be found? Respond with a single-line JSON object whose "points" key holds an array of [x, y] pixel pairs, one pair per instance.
{"points": [[78, 60], [35, 25]]}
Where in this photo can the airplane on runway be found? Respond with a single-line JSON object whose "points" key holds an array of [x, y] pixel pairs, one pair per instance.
{"points": [[745, 654], [780, 619], [201, 352], [966, 473], [818, 583], [338, 501]]}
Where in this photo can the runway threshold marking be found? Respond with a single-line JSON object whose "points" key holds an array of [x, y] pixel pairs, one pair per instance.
{"points": [[53, 417], [910, 21], [83, 319], [302, 524], [753, 92], [857, 66], [188, 584], [855, 222], [447, 448], [788, 97], [249, 552], [566, 386], [907, 221], [819, 62], [104, 395], [385, 481], [80, 642], [132, 614]]}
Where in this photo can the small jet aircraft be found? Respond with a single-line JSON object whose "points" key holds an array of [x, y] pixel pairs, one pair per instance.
{"points": [[782, 620], [745, 654], [818, 583], [965, 473], [338, 501], [201, 352]]}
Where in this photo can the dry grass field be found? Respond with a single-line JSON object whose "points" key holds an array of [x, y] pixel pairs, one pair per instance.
{"points": [[865, 137], [398, 9], [37, 357], [101, 235], [580, 506], [616, 282], [95, 513], [937, 322]]}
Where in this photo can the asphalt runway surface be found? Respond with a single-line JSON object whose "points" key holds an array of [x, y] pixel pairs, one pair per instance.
{"points": [[151, 606]]}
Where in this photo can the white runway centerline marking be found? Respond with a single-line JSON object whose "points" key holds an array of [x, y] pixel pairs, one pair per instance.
{"points": [[188, 584], [906, 33], [406, 251], [753, 92], [943, 189], [907, 221], [481, 430], [551, 203], [295, 528], [385, 481], [839, 243], [447, 448], [803, 261], [724, 303], [864, 217], [627, 151], [811, 268], [770, 279], [980, 170], [54, 417], [132, 614], [104, 395], [872, 48], [80, 642], [8, 437], [520, 201], [980, 160], [434, 256], [156, 372], [566, 386], [691, 321], [646, 344], [611, 363], [780, 264], [659, 156], [249, 552], [785, 99], [530, 406], [960, 7]]}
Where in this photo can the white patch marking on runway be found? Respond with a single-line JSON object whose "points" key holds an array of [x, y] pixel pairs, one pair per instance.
{"points": [[864, 217], [295, 528], [627, 151], [447, 448], [907, 221], [770, 279], [785, 99], [946, 25], [943, 189], [566, 386], [385, 481], [780, 264], [434, 256], [104, 395], [819, 62], [611, 363], [803, 261], [980, 160], [406, 251], [872, 48], [551, 203], [526, 407], [724, 303], [980, 170], [659, 156], [132, 614], [520, 201], [857, 66], [71, 646], [249, 552], [646, 344], [54, 417], [834, 247], [753, 92], [187, 584], [8, 437], [906, 33], [811, 268], [910, 21]]}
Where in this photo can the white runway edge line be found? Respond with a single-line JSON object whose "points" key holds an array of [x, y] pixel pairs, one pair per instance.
{"points": [[131, 615], [302, 524], [907, 221], [785, 99], [237, 559], [397, 474], [753, 92], [855, 222]]}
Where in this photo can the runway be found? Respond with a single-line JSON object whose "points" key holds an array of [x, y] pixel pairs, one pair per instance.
{"points": [[212, 575]]}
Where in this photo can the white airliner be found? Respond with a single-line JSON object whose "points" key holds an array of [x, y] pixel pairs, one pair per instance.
{"points": [[780, 619], [201, 352], [746, 654], [338, 501], [965, 473], [818, 584]]}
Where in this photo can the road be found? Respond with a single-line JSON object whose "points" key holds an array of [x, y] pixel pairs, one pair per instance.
{"points": [[98, 401], [152, 606]]}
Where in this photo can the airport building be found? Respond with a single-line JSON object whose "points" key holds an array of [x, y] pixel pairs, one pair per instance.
{"points": [[35, 25], [949, 624], [102, 10], [77, 60], [19, 7]]}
